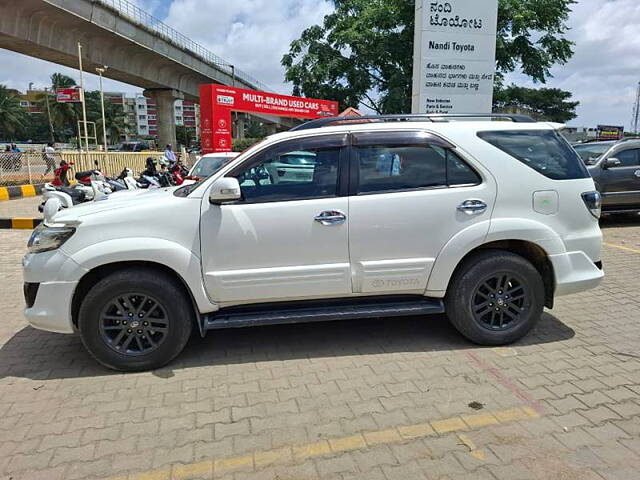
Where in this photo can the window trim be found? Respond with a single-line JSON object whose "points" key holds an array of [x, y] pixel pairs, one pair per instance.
{"points": [[332, 141], [411, 138], [615, 155]]}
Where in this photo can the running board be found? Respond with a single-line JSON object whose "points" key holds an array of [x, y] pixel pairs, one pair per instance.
{"points": [[306, 312]]}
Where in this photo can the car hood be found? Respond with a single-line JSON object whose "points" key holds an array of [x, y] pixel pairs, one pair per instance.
{"points": [[118, 200]]}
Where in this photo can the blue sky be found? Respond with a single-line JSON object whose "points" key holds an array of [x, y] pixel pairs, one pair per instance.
{"points": [[254, 34]]}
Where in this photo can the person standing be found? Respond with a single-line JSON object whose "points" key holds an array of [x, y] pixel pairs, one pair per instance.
{"points": [[49, 158], [169, 155]]}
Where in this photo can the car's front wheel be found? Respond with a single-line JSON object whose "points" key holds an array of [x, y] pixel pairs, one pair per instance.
{"points": [[495, 297], [135, 319]]}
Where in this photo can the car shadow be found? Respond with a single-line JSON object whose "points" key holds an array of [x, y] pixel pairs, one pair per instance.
{"points": [[39, 355]]}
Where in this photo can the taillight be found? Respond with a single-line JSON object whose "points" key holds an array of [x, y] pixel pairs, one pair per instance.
{"points": [[593, 201]]}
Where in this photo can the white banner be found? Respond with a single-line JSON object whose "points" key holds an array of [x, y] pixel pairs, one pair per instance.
{"points": [[454, 56]]}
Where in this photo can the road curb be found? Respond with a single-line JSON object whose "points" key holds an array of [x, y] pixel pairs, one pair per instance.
{"points": [[20, 191], [19, 223]]}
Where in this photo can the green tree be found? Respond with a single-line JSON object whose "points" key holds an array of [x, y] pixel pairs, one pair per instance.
{"points": [[185, 136], [254, 129], [12, 115], [363, 51], [551, 104], [64, 116], [113, 114]]}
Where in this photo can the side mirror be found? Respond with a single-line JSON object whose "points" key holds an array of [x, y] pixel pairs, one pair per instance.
{"points": [[611, 163], [225, 190]]}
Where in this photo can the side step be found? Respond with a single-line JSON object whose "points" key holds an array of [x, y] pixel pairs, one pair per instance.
{"points": [[321, 311]]}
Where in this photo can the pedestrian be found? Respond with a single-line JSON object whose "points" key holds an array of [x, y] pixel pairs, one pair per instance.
{"points": [[49, 159], [16, 157], [169, 155]]}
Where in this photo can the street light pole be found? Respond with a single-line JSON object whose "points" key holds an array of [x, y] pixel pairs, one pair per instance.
{"points": [[84, 106], [104, 124]]}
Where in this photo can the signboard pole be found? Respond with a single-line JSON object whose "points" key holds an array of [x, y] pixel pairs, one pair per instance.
{"points": [[454, 56]]}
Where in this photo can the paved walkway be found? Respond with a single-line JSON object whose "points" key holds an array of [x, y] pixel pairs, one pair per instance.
{"points": [[24, 207], [380, 399]]}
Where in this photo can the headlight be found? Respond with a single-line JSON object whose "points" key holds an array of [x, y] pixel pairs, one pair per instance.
{"points": [[45, 239]]}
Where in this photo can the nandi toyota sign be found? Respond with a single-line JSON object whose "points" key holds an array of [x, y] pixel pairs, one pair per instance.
{"points": [[454, 56], [218, 101]]}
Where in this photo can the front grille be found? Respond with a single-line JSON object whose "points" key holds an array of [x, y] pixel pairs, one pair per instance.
{"points": [[30, 292]]}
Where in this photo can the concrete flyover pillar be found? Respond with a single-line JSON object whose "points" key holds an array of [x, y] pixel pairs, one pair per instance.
{"points": [[165, 100]]}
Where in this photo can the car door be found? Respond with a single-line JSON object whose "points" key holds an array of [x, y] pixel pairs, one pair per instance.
{"points": [[621, 185], [410, 193], [283, 240]]}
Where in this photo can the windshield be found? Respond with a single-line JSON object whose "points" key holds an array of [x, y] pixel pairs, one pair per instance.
{"points": [[590, 152], [207, 166]]}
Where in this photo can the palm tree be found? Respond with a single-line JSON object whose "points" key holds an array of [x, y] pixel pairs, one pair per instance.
{"points": [[64, 116], [12, 115]]}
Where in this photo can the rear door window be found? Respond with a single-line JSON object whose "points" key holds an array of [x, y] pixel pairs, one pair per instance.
{"points": [[545, 151]]}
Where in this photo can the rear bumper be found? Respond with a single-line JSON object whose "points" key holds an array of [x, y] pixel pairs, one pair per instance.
{"points": [[575, 272]]}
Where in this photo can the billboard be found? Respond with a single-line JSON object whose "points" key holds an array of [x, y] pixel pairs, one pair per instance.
{"points": [[454, 56], [608, 132], [68, 95], [218, 101]]}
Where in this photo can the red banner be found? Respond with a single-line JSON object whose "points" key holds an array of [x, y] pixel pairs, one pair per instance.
{"points": [[68, 95], [218, 101]]}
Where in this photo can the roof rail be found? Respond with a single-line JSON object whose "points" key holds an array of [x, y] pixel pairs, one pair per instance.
{"points": [[329, 121]]}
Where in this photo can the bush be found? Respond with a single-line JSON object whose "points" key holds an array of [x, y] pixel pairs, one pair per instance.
{"points": [[240, 145]]}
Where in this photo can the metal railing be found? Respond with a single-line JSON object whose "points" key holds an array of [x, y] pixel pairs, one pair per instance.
{"points": [[137, 15], [35, 167]]}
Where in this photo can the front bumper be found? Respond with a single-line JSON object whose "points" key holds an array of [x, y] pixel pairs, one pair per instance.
{"points": [[575, 272], [51, 310], [56, 276]]}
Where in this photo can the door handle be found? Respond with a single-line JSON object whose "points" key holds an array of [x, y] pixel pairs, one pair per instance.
{"points": [[331, 217], [472, 207]]}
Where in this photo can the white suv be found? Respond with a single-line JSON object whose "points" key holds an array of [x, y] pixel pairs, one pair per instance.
{"points": [[485, 220]]}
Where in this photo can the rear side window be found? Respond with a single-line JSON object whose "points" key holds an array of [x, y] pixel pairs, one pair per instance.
{"points": [[545, 151]]}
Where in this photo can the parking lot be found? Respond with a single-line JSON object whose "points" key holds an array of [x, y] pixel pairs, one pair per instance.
{"points": [[378, 399]]}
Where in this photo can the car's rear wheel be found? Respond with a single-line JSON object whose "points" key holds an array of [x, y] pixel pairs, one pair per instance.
{"points": [[495, 297], [135, 319]]}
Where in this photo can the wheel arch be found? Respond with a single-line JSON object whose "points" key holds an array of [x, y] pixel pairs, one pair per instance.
{"points": [[96, 274], [528, 250], [525, 237]]}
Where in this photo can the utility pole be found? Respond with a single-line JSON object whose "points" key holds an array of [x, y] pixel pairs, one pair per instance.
{"points": [[51, 130], [104, 124], [635, 121], [84, 106]]}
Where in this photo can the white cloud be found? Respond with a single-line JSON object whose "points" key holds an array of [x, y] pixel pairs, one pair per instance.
{"points": [[254, 34], [605, 70], [251, 34]]}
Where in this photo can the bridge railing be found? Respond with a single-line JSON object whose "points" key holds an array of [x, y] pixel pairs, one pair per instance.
{"points": [[141, 17]]}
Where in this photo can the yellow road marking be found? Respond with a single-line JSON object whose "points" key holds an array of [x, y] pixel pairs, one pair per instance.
{"points": [[22, 223], [4, 193], [620, 247], [194, 470], [480, 420], [298, 453], [449, 425], [473, 451]]}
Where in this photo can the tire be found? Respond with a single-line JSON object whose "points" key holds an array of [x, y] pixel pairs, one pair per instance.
{"points": [[120, 299], [471, 308]]}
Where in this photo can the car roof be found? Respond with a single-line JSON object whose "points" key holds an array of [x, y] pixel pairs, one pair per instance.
{"points": [[221, 154], [436, 127]]}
